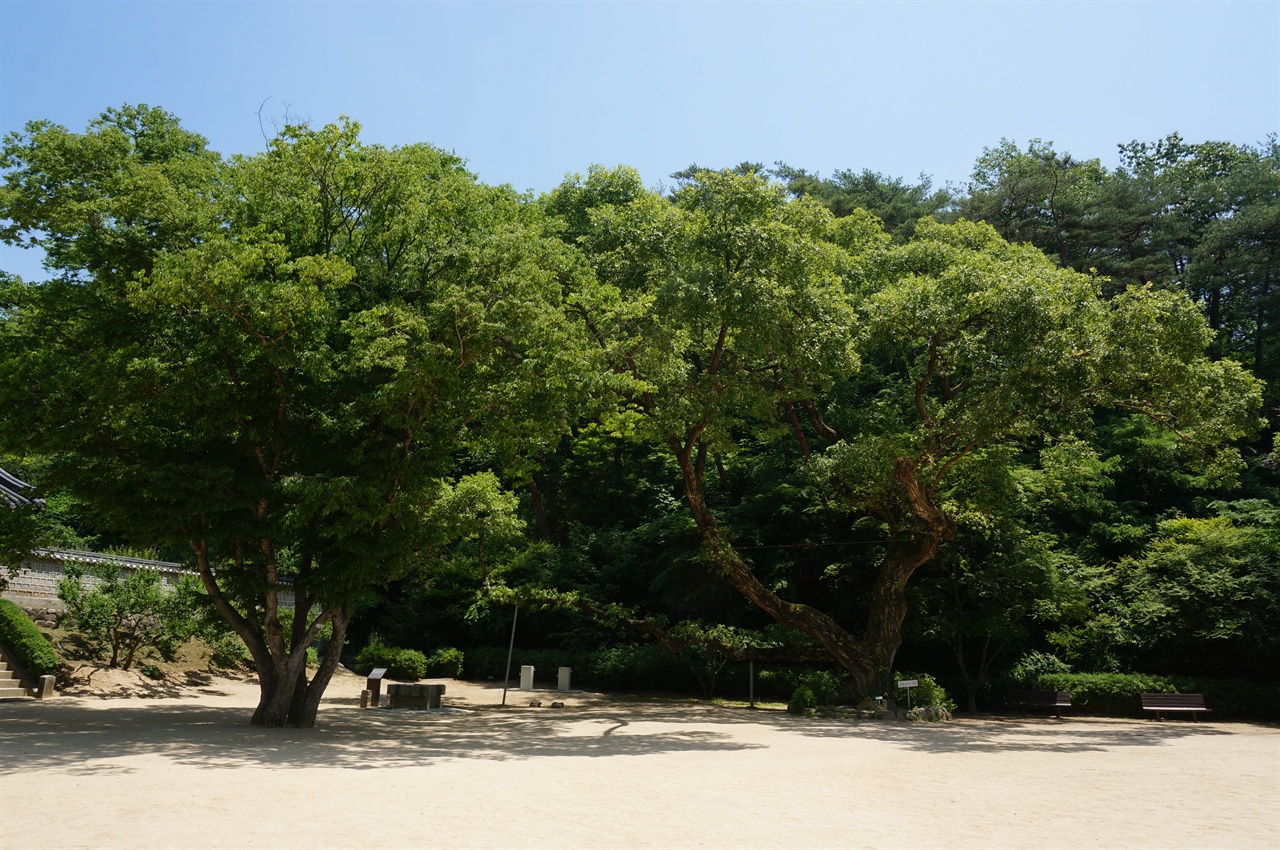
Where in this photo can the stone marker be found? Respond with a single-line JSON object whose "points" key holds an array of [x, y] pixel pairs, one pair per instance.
{"points": [[526, 677], [563, 683]]}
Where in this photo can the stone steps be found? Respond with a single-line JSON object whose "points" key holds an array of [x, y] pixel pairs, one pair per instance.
{"points": [[10, 685]]}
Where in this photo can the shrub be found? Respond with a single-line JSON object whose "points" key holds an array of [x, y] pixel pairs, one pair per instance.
{"points": [[229, 652], [400, 663], [1034, 664], [802, 700], [446, 662], [637, 667], [1115, 694], [151, 671], [929, 694], [33, 653], [779, 682]]}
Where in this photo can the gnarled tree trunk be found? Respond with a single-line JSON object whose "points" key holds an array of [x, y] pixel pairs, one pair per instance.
{"points": [[869, 661], [286, 698]]}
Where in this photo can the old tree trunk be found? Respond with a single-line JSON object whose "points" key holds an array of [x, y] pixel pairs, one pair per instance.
{"points": [[287, 696], [869, 659]]}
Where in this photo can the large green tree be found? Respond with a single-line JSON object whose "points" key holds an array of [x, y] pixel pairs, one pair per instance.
{"points": [[733, 314], [276, 360], [973, 350], [730, 313]]}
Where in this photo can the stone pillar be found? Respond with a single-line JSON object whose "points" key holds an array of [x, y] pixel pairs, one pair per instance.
{"points": [[46, 687], [562, 684], [526, 677]]}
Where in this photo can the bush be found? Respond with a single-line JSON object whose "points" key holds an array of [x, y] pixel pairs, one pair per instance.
{"points": [[400, 663], [33, 653], [1034, 664], [802, 700], [779, 682], [638, 667], [445, 662], [929, 694], [229, 652]]}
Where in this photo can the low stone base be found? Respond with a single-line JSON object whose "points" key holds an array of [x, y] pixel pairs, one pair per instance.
{"points": [[414, 696]]}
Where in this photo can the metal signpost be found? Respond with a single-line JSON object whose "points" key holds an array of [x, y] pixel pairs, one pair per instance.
{"points": [[909, 684], [506, 680]]}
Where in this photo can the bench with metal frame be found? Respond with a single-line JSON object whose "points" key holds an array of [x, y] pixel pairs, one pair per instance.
{"points": [[1057, 700], [1174, 703]]}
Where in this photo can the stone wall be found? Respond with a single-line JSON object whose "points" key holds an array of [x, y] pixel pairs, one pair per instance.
{"points": [[34, 586]]}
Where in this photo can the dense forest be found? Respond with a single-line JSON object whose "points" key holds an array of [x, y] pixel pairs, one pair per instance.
{"points": [[837, 426]]}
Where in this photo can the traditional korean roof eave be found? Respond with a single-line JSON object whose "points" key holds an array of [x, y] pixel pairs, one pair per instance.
{"points": [[10, 491], [79, 556]]}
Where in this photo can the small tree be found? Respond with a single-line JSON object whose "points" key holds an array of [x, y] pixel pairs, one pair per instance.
{"points": [[129, 611]]}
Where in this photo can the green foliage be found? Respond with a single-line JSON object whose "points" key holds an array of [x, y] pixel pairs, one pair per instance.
{"points": [[826, 685], [228, 652], [400, 663], [929, 694], [129, 612], [446, 662], [1034, 664], [898, 204], [151, 671], [297, 348], [1200, 218], [803, 700], [1198, 595], [21, 637]]}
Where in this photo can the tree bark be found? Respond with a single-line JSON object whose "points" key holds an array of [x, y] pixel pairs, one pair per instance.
{"points": [[285, 697]]}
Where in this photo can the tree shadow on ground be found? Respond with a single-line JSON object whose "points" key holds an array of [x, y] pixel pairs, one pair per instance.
{"points": [[81, 737], [89, 739], [996, 733]]}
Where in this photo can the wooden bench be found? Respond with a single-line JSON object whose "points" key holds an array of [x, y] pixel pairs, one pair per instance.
{"points": [[1057, 700], [1162, 703]]}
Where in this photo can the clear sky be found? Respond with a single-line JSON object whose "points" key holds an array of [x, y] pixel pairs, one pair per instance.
{"points": [[527, 92]]}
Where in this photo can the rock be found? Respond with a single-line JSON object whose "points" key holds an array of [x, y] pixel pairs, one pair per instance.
{"points": [[557, 705], [932, 714], [535, 703]]}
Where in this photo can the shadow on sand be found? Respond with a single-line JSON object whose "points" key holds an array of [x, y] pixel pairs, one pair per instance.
{"points": [[79, 738]]}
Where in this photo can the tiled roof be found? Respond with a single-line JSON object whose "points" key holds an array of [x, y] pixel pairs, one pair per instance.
{"points": [[78, 556], [10, 491]]}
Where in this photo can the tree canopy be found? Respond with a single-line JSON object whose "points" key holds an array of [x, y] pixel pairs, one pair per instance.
{"points": [[277, 359], [779, 409]]}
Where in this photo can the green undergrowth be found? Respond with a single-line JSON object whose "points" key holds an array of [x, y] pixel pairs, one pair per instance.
{"points": [[31, 650]]}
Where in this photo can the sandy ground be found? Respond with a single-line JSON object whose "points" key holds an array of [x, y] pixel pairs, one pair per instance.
{"points": [[609, 772]]}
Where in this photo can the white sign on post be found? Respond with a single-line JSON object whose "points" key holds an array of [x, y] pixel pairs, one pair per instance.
{"points": [[909, 683]]}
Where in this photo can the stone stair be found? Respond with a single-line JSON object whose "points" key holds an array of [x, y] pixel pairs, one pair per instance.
{"points": [[10, 685]]}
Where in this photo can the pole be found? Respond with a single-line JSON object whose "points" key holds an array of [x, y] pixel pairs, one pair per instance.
{"points": [[510, 649], [751, 678]]}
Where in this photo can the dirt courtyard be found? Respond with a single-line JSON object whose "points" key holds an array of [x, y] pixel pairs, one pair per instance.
{"points": [[607, 772]]}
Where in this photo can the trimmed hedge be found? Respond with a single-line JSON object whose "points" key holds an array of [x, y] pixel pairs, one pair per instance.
{"points": [[33, 653], [1119, 694], [400, 663]]}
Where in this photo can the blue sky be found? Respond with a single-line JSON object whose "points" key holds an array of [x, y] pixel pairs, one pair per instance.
{"points": [[530, 91]]}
